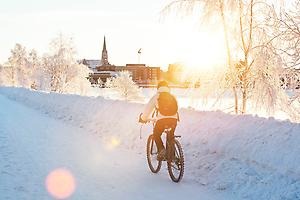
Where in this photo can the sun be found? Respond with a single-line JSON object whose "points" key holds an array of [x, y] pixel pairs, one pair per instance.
{"points": [[199, 48], [206, 51]]}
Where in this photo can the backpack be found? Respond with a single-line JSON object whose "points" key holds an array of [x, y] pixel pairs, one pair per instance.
{"points": [[167, 104]]}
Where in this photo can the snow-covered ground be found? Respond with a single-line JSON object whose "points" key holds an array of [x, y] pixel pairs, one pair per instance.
{"points": [[200, 99], [193, 98], [33, 145], [227, 156]]}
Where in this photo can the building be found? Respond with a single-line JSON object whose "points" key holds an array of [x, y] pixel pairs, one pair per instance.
{"points": [[102, 69], [142, 74], [104, 57], [92, 64]]}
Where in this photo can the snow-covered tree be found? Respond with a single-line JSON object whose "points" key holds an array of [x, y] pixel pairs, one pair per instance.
{"points": [[19, 66], [212, 11], [288, 34], [245, 19], [100, 83], [78, 82], [34, 67], [56, 71], [124, 86], [61, 69], [109, 83], [5, 76]]}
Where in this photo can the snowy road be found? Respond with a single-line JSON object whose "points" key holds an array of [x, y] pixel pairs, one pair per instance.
{"points": [[32, 145]]}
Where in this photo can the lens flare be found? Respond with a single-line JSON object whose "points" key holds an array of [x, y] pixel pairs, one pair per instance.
{"points": [[60, 183], [113, 143]]}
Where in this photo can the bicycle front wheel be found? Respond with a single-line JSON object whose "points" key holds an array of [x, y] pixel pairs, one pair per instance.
{"points": [[175, 161], [152, 152]]}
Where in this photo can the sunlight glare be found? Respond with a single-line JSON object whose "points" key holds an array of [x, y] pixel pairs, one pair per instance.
{"points": [[205, 52], [199, 47]]}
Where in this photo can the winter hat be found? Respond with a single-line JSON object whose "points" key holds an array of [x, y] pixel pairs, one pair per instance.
{"points": [[162, 84]]}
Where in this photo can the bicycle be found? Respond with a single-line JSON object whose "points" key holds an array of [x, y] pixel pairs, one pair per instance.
{"points": [[174, 157]]}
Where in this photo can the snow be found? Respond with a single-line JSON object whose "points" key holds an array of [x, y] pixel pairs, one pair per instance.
{"points": [[39, 144], [227, 156]]}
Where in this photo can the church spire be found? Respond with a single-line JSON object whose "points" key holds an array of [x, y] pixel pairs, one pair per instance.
{"points": [[104, 57], [104, 45]]}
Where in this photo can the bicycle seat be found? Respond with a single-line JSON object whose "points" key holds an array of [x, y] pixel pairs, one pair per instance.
{"points": [[167, 129]]}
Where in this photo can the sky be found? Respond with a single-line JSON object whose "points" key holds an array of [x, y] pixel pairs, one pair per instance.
{"points": [[127, 25]]}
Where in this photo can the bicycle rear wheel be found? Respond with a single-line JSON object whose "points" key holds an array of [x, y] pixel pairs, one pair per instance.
{"points": [[152, 152], [175, 161]]}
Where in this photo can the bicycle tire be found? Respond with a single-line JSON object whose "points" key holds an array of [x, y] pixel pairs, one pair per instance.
{"points": [[152, 156], [178, 162]]}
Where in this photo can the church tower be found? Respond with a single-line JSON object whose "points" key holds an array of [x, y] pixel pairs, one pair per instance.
{"points": [[104, 57]]}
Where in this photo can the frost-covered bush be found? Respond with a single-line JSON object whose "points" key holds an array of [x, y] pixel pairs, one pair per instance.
{"points": [[124, 86]]}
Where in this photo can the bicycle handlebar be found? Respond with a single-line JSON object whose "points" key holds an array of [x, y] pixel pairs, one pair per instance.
{"points": [[151, 120]]}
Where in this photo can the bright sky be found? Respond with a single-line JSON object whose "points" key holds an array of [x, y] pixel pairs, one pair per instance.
{"points": [[128, 25]]}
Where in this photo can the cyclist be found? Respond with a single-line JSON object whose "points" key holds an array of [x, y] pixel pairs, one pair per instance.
{"points": [[163, 108]]}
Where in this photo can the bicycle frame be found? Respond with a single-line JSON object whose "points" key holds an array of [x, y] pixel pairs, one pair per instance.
{"points": [[170, 142], [174, 156]]}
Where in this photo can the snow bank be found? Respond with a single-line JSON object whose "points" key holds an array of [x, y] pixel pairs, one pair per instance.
{"points": [[252, 157]]}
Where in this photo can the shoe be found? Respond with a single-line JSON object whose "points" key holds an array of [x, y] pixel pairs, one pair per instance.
{"points": [[162, 155]]}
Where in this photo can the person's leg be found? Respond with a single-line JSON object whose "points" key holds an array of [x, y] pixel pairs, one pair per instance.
{"points": [[157, 131], [172, 123], [160, 127]]}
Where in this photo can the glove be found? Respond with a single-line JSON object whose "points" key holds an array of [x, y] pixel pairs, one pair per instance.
{"points": [[141, 120]]}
